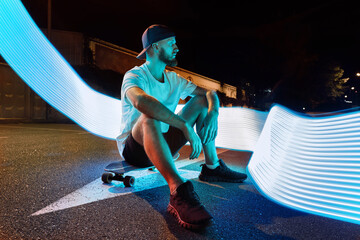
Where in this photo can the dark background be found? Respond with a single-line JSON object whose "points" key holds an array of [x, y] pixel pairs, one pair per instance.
{"points": [[249, 44]]}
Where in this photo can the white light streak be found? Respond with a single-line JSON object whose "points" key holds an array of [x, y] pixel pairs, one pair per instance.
{"points": [[324, 151], [310, 163], [40, 65]]}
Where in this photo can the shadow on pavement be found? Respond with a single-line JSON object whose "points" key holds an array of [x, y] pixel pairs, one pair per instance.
{"points": [[238, 213]]}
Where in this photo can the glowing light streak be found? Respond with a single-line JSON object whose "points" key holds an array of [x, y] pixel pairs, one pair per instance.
{"points": [[310, 163], [40, 65], [285, 150]]}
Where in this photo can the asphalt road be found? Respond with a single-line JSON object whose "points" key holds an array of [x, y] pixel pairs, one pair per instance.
{"points": [[50, 188]]}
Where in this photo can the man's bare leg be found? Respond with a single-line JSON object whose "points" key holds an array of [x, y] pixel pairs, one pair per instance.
{"points": [[215, 169], [147, 132], [194, 112]]}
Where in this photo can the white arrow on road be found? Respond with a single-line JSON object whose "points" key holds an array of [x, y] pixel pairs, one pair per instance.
{"points": [[96, 190]]}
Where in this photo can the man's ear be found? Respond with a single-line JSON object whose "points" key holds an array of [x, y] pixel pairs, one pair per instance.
{"points": [[155, 46]]}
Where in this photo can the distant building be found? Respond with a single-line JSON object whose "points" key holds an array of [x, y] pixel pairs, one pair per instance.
{"points": [[112, 57], [18, 103]]}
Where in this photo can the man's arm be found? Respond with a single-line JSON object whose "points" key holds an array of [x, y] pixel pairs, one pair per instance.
{"points": [[151, 107]]}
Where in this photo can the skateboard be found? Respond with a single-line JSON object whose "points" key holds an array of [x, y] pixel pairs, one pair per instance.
{"points": [[117, 170]]}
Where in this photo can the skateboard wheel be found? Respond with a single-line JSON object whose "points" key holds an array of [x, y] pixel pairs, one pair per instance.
{"points": [[107, 177], [176, 156], [129, 181]]}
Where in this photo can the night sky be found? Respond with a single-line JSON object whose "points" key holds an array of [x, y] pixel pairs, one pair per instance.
{"points": [[230, 41]]}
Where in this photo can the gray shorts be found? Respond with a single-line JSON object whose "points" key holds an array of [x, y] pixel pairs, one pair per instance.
{"points": [[134, 153]]}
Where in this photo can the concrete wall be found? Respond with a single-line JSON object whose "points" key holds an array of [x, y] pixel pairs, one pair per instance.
{"points": [[19, 103], [112, 57], [69, 44]]}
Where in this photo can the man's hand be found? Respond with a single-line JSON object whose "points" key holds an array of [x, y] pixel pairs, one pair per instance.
{"points": [[194, 140], [209, 130]]}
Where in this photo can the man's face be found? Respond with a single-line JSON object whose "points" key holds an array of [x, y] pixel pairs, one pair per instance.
{"points": [[168, 51]]}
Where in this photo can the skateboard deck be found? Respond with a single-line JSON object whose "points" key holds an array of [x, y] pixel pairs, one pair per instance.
{"points": [[117, 170]]}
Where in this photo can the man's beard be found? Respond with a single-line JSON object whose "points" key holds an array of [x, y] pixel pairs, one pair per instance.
{"points": [[166, 60]]}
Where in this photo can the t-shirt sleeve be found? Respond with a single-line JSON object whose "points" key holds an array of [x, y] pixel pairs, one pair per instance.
{"points": [[132, 79], [188, 87]]}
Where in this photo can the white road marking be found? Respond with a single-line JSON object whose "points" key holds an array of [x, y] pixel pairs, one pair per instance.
{"points": [[96, 190]]}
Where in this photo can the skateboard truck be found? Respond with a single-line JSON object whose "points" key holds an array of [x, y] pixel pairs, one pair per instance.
{"points": [[108, 177], [128, 181], [117, 170]]}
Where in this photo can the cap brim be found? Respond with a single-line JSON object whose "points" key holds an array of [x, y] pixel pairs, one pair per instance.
{"points": [[142, 54]]}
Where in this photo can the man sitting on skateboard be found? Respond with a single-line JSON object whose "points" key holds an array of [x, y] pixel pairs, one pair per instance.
{"points": [[151, 133]]}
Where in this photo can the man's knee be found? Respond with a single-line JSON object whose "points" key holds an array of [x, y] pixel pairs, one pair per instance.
{"points": [[198, 104], [149, 124], [201, 101], [143, 125]]}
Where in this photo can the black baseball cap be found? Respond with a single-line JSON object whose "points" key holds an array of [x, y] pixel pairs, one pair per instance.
{"points": [[153, 34]]}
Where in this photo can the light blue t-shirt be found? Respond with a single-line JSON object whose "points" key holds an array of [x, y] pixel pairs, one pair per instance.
{"points": [[168, 93]]}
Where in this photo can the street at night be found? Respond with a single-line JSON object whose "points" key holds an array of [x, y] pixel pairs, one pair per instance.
{"points": [[271, 88], [51, 188]]}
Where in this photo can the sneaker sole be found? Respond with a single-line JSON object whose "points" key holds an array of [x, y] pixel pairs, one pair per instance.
{"points": [[184, 224], [219, 179]]}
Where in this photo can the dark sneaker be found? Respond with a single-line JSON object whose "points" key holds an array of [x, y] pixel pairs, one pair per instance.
{"points": [[186, 207], [220, 174]]}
